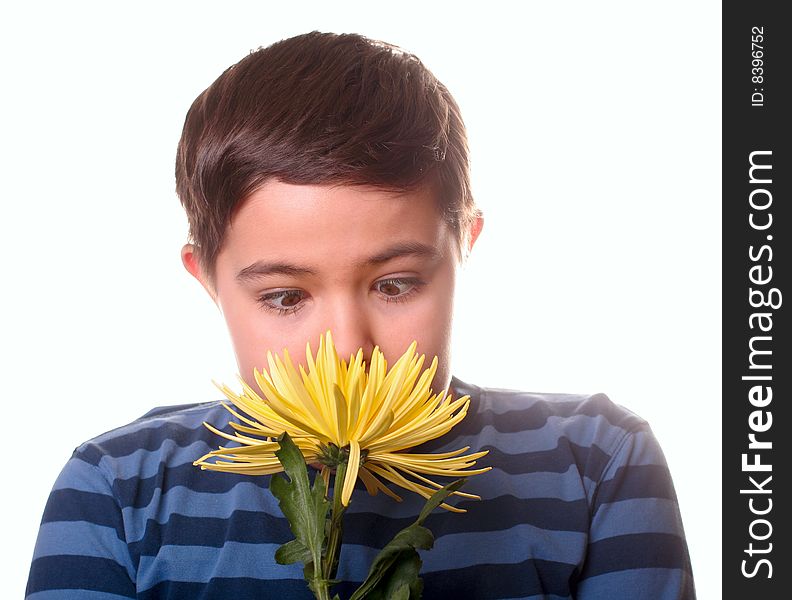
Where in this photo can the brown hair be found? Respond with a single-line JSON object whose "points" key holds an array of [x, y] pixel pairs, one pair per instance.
{"points": [[321, 108]]}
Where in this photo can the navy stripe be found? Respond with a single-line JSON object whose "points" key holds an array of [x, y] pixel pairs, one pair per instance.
{"points": [[590, 461], [75, 505], [488, 582], [146, 438], [505, 512], [138, 492], [223, 588], [79, 573], [635, 551], [241, 526], [535, 415], [365, 529], [636, 481], [483, 582]]}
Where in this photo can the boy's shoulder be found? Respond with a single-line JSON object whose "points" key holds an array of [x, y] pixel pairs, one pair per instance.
{"points": [[176, 426], [533, 410], [529, 422]]}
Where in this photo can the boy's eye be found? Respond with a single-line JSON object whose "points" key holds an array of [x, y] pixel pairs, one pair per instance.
{"points": [[287, 302], [397, 289], [389, 288], [284, 302]]}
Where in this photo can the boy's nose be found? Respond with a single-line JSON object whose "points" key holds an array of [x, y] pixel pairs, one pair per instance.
{"points": [[351, 331]]}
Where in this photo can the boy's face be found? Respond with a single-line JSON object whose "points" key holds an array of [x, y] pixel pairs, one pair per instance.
{"points": [[377, 268]]}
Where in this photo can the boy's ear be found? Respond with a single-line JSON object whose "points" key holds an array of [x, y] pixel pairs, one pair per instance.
{"points": [[475, 229], [190, 261]]}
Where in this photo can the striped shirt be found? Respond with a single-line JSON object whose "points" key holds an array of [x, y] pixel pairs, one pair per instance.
{"points": [[579, 504]]}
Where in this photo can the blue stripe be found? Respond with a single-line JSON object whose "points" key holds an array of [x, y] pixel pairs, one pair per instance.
{"points": [[504, 547], [199, 563], [642, 449], [79, 538], [639, 584], [81, 476], [196, 564], [246, 496]]}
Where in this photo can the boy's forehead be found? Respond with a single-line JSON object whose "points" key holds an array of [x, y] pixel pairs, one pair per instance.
{"points": [[296, 229]]}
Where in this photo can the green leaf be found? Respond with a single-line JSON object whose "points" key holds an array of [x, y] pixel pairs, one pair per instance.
{"points": [[403, 593], [395, 569], [437, 499], [292, 552], [304, 506], [403, 582]]}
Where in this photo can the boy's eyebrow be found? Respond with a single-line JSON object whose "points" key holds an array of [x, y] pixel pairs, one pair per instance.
{"points": [[262, 268], [402, 249]]}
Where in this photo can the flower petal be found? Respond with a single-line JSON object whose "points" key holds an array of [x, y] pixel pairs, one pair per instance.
{"points": [[351, 472]]}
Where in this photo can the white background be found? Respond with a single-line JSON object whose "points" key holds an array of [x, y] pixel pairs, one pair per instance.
{"points": [[595, 136]]}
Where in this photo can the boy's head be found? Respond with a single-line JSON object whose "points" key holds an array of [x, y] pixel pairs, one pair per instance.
{"points": [[328, 174]]}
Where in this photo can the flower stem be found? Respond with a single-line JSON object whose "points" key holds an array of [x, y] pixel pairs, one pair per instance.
{"points": [[323, 592], [330, 565]]}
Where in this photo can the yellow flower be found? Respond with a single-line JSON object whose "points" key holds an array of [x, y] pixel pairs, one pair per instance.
{"points": [[335, 411]]}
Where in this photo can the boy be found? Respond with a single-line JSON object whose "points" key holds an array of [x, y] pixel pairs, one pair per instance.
{"points": [[326, 183]]}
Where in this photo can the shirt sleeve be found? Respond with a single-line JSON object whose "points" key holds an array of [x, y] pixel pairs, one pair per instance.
{"points": [[636, 547], [81, 548]]}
